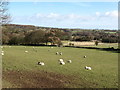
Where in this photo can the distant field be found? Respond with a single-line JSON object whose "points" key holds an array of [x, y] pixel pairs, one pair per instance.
{"points": [[111, 32], [105, 45], [92, 44], [20, 69]]}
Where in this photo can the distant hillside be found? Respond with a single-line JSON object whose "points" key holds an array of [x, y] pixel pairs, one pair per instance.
{"points": [[32, 27], [28, 34]]}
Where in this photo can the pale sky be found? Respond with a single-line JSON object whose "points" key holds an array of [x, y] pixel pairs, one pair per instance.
{"points": [[86, 15]]}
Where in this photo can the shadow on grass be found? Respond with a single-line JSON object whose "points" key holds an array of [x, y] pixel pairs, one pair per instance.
{"points": [[103, 49]]}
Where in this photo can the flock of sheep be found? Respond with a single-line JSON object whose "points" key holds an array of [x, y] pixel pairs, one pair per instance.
{"points": [[2, 52], [61, 61]]}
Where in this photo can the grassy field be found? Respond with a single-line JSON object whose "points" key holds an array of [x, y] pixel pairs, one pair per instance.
{"points": [[92, 44], [105, 45], [20, 69]]}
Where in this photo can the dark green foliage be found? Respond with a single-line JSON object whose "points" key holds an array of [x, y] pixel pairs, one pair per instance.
{"points": [[96, 43], [28, 34]]}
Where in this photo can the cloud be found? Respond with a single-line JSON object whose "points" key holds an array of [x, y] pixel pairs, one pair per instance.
{"points": [[60, 17], [52, 15], [113, 14], [98, 13], [99, 20]]}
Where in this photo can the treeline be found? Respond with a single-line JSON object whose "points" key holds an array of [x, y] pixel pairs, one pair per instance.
{"points": [[24, 35], [13, 34], [96, 35]]}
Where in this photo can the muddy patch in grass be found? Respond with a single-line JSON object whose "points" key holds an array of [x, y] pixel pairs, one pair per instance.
{"points": [[30, 79]]}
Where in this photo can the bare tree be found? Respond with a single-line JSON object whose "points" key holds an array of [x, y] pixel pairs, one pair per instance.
{"points": [[4, 15]]}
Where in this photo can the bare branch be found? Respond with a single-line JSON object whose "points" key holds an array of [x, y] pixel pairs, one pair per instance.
{"points": [[4, 16]]}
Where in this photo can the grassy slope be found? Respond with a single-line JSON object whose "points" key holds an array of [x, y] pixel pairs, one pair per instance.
{"points": [[106, 45], [104, 64], [103, 45]]}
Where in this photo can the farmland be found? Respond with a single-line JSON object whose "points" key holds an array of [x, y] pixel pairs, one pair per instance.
{"points": [[20, 69]]}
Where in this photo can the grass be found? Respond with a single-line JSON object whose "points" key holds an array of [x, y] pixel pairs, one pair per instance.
{"points": [[105, 45], [104, 64]]}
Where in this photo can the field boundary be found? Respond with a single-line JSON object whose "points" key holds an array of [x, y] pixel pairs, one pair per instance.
{"points": [[104, 49]]}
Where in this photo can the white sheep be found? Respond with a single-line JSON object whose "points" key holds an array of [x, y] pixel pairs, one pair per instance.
{"points": [[57, 53], [41, 63], [2, 53], [26, 51], [1, 46], [60, 53], [85, 56], [88, 68], [62, 63], [69, 61], [61, 60]]}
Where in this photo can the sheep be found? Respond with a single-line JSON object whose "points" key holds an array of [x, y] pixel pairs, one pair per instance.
{"points": [[57, 53], [85, 56], [2, 53], [41, 63], [1, 46], [88, 68], [69, 61], [61, 60], [60, 53], [62, 63], [26, 51]]}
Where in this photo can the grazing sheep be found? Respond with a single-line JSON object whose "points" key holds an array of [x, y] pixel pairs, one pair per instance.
{"points": [[57, 53], [51, 47], [9, 46], [62, 63], [41, 63], [1, 46], [69, 61], [85, 56], [2, 53], [88, 68], [61, 60], [26, 51], [60, 53]]}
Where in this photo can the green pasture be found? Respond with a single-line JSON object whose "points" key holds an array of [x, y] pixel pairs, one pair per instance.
{"points": [[104, 64], [105, 45]]}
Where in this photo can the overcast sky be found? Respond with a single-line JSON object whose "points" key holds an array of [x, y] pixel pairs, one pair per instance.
{"points": [[87, 15]]}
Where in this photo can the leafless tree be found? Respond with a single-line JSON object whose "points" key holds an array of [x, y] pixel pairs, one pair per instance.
{"points": [[4, 15]]}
